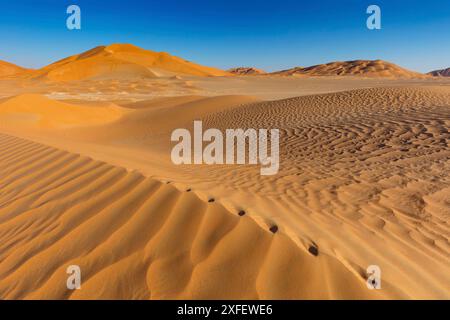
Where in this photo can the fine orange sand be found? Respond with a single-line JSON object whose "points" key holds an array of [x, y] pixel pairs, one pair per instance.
{"points": [[86, 179]]}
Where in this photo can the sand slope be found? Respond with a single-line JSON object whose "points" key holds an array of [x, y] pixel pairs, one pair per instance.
{"points": [[9, 69], [366, 68], [122, 61], [33, 110], [135, 237]]}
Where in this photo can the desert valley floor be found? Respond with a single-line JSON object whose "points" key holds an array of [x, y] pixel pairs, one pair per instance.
{"points": [[86, 179]]}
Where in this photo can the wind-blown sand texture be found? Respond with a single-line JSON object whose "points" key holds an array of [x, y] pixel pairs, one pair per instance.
{"points": [[364, 179]]}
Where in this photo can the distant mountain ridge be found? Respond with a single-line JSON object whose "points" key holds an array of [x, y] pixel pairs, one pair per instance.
{"points": [[246, 71], [367, 68], [440, 73]]}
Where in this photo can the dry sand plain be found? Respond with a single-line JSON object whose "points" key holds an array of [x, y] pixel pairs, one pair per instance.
{"points": [[86, 178]]}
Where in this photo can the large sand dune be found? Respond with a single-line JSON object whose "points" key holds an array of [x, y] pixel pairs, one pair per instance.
{"points": [[363, 180], [122, 61]]}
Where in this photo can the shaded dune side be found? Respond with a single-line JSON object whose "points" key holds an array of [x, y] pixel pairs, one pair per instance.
{"points": [[135, 237]]}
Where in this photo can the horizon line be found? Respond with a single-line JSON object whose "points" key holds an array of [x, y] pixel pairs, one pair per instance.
{"points": [[224, 69]]}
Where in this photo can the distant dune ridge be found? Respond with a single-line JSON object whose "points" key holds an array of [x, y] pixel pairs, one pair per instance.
{"points": [[246, 71], [366, 68], [440, 73], [9, 69]]}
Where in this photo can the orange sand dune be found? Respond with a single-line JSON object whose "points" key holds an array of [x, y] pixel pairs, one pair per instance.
{"points": [[366, 68], [150, 124], [9, 69], [122, 61], [364, 179], [33, 110]]}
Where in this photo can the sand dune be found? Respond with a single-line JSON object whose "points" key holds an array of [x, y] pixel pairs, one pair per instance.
{"points": [[33, 110], [366, 68], [122, 61], [440, 73], [9, 69], [149, 125], [363, 179], [246, 71]]}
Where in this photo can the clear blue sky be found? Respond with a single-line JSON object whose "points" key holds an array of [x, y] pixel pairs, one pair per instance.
{"points": [[272, 35]]}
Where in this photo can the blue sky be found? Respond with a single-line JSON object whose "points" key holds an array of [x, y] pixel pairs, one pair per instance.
{"points": [[271, 35]]}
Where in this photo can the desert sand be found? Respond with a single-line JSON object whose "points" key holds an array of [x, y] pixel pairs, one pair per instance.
{"points": [[86, 179]]}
